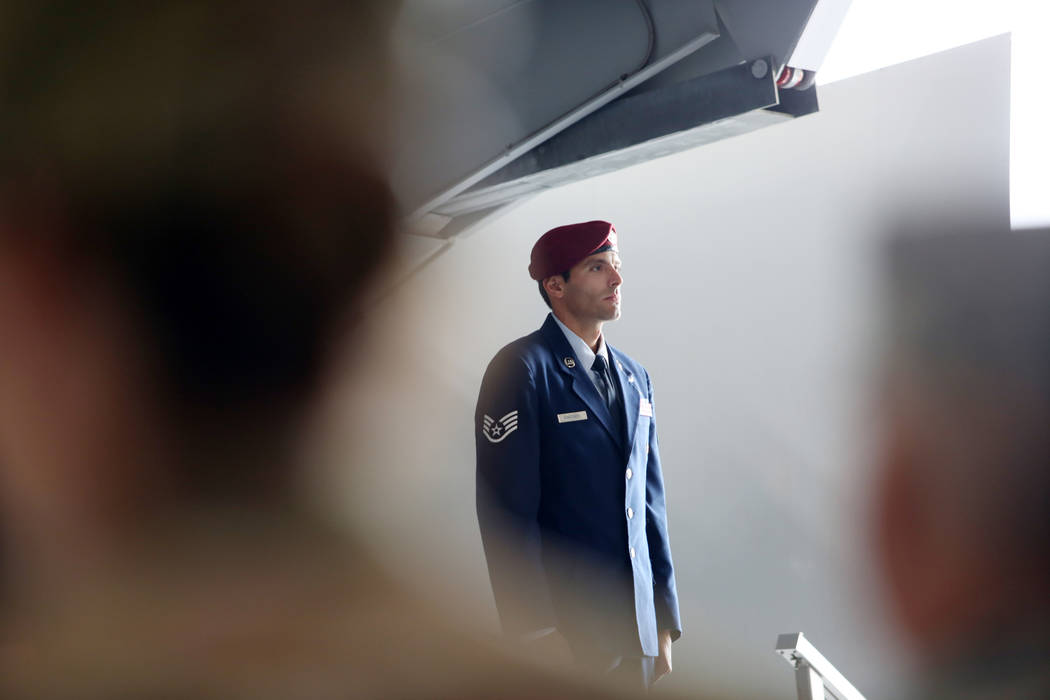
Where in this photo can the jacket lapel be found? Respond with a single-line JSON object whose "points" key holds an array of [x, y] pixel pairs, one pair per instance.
{"points": [[631, 394], [581, 381]]}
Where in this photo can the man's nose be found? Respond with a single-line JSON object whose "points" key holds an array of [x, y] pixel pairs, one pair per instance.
{"points": [[616, 280]]}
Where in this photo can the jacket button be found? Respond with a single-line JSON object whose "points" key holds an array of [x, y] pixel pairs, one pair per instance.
{"points": [[630, 513], [629, 473], [632, 552]]}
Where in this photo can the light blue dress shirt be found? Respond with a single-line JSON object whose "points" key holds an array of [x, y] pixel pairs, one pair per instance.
{"points": [[586, 356]]}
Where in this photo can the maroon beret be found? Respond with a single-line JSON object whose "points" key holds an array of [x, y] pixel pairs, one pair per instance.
{"points": [[561, 248]]}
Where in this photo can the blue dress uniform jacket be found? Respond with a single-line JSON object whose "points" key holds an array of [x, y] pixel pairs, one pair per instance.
{"points": [[572, 511]]}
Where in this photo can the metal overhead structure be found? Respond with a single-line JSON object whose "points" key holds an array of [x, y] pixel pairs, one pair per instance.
{"points": [[511, 97]]}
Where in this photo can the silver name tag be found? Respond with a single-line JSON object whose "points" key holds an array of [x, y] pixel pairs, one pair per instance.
{"points": [[570, 417]]}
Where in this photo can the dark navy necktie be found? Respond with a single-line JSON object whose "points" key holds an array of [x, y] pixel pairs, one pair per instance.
{"points": [[608, 392], [601, 368]]}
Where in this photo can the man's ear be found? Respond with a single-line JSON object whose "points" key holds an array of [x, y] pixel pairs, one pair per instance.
{"points": [[555, 286]]}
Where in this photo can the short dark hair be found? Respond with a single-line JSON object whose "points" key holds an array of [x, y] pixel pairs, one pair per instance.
{"points": [[543, 292]]}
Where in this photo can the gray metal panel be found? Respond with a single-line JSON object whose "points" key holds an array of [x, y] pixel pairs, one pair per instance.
{"points": [[612, 161], [638, 118], [519, 149], [430, 21], [761, 27], [575, 49], [633, 129], [676, 22], [748, 29], [464, 226], [507, 75]]}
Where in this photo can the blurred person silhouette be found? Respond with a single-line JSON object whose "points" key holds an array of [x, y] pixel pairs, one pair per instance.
{"points": [[963, 492], [192, 211]]}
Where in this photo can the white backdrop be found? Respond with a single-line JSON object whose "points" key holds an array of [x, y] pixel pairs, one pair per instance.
{"points": [[750, 293]]}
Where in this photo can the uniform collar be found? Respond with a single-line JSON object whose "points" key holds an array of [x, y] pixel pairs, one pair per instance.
{"points": [[583, 351]]}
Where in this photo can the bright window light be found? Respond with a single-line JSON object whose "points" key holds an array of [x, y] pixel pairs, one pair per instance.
{"points": [[880, 33]]}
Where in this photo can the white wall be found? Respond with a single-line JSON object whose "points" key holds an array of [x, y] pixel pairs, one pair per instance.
{"points": [[750, 294]]}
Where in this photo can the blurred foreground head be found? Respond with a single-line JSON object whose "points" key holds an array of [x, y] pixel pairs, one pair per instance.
{"points": [[192, 210], [964, 496], [191, 205]]}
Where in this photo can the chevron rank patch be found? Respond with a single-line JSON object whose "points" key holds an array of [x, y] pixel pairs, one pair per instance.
{"points": [[498, 430]]}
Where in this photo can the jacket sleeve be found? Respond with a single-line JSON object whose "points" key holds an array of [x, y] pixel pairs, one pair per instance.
{"points": [[507, 439], [665, 592]]}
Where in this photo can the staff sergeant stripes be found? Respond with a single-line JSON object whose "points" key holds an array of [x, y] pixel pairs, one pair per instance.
{"points": [[498, 430]]}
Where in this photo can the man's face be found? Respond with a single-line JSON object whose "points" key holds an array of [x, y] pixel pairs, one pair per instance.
{"points": [[592, 292]]}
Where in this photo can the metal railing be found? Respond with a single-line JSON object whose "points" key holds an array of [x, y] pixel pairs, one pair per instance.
{"points": [[815, 677]]}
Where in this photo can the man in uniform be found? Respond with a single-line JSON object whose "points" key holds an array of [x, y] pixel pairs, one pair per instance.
{"points": [[570, 492]]}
